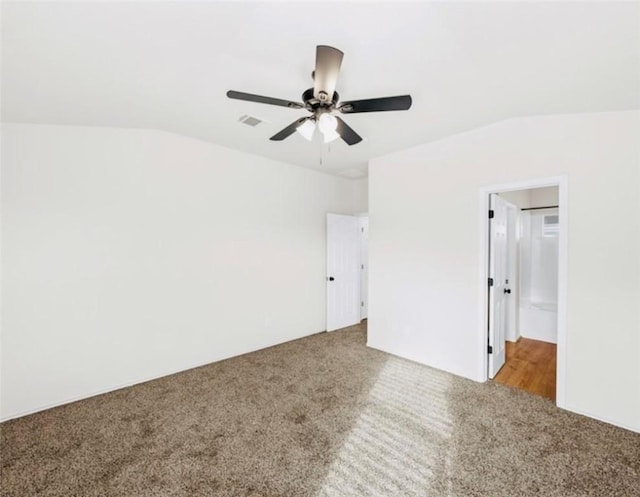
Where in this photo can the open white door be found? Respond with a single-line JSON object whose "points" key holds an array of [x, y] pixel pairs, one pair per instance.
{"points": [[499, 289], [343, 271]]}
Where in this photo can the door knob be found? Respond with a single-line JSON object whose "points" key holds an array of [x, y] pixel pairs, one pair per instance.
{"points": [[507, 290], [331, 278]]}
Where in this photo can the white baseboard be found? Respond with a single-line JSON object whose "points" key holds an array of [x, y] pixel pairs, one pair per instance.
{"points": [[131, 383], [603, 419]]}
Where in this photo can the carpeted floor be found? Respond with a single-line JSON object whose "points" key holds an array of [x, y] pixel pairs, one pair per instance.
{"points": [[321, 416]]}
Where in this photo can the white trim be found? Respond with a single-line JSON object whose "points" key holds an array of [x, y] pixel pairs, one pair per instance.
{"points": [[563, 266], [133, 383], [562, 182], [103, 391], [603, 419]]}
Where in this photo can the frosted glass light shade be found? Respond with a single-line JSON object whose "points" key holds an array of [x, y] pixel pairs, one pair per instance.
{"points": [[329, 136], [327, 125], [307, 129]]}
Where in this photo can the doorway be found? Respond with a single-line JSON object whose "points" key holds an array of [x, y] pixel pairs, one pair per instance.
{"points": [[524, 262], [347, 270]]}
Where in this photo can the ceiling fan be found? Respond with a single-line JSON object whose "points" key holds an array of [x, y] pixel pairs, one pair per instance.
{"points": [[322, 101]]}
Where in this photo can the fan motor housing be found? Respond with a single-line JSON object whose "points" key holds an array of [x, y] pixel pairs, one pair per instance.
{"points": [[312, 104]]}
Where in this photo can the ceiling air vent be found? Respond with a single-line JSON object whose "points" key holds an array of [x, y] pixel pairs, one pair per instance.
{"points": [[250, 120]]}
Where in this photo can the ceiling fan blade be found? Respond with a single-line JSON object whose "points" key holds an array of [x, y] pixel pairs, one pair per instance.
{"points": [[346, 133], [238, 95], [402, 102], [328, 62], [289, 130]]}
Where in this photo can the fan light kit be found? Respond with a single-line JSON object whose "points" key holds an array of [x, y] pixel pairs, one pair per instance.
{"points": [[307, 129], [327, 125], [322, 101]]}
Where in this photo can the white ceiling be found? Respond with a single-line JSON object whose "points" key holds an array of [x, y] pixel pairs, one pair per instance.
{"points": [[168, 66]]}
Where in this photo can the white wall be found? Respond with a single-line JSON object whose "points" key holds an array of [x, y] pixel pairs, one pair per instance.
{"points": [[361, 196], [519, 198], [424, 249], [534, 197], [544, 197], [131, 254]]}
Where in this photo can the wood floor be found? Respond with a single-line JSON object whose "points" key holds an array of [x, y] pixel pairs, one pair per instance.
{"points": [[530, 366]]}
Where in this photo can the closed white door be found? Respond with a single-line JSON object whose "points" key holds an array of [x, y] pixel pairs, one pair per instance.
{"points": [[364, 267], [499, 289], [343, 271]]}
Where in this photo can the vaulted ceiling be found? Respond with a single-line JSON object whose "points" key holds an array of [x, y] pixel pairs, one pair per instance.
{"points": [[168, 65]]}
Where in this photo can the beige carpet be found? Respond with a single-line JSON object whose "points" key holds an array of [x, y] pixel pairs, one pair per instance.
{"points": [[321, 416]]}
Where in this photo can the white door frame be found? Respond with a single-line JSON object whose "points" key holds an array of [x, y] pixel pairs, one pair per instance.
{"points": [[562, 183]]}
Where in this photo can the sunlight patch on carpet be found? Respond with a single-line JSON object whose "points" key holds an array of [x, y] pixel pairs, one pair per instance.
{"points": [[398, 443]]}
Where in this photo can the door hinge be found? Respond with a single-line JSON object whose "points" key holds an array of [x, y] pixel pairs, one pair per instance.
{"points": [[361, 303], [490, 281], [362, 266], [491, 213], [362, 229], [490, 349]]}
